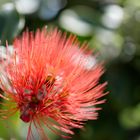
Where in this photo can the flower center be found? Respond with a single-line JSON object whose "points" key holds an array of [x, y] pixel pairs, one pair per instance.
{"points": [[28, 109], [32, 101]]}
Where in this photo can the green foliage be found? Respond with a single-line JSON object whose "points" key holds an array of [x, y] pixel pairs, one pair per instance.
{"points": [[113, 29]]}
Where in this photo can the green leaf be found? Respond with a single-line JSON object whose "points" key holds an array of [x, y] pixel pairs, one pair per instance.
{"points": [[11, 23]]}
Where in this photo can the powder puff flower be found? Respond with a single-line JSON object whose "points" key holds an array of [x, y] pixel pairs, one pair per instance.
{"points": [[51, 82]]}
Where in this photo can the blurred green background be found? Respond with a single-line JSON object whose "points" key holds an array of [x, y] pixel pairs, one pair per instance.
{"points": [[112, 27]]}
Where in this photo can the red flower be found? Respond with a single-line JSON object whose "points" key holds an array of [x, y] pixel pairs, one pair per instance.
{"points": [[51, 82]]}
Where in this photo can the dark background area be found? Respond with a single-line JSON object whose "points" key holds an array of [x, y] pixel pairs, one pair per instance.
{"points": [[111, 27]]}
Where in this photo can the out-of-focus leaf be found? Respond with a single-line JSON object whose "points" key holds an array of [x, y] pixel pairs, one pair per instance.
{"points": [[80, 20], [108, 43], [134, 3], [9, 124], [130, 117], [4, 1], [24, 131], [11, 23]]}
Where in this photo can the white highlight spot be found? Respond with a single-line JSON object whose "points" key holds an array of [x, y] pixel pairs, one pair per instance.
{"points": [[113, 16], [71, 21]]}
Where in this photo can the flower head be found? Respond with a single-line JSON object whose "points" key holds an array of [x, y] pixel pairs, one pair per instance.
{"points": [[51, 82]]}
